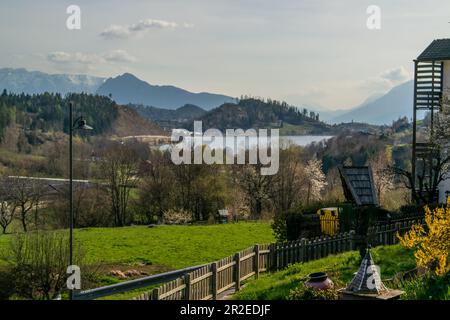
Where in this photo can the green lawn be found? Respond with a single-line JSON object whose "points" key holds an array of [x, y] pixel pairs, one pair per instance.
{"points": [[163, 248], [172, 247], [340, 268]]}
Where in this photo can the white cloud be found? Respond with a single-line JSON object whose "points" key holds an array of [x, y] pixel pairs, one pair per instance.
{"points": [[307, 96], [150, 23], [90, 58], [397, 75], [115, 31], [386, 80], [119, 56], [76, 57], [127, 31]]}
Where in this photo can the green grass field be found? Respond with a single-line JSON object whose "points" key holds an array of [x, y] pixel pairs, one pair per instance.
{"points": [[162, 248], [171, 247], [340, 268]]}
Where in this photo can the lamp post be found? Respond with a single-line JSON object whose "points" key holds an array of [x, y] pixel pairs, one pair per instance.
{"points": [[78, 124]]}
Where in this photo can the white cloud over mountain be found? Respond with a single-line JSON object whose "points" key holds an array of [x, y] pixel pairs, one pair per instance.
{"points": [[386, 80], [90, 58], [128, 31]]}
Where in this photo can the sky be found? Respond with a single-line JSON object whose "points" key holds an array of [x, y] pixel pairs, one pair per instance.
{"points": [[307, 52]]}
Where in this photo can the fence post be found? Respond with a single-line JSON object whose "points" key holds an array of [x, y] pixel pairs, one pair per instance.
{"points": [[256, 249], [214, 280], [273, 256], [397, 230], [352, 239], [155, 294], [237, 270], [303, 250], [187, 290]]}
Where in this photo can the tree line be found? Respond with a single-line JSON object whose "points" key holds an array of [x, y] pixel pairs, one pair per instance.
{"points": [[137, 185], [50, 112]]}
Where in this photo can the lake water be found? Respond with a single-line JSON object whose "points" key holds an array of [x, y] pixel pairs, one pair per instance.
{"points": [[303, 140], [285, 141]]}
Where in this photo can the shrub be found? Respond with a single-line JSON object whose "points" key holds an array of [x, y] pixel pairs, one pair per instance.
{"points": [[307, 293], [428, 287], [431, 244], [37, 265], [410, 209], [294, 224], [174, 216], [6, 285]]}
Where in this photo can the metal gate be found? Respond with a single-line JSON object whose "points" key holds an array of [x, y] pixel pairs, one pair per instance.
{"points": [[329, 220]]}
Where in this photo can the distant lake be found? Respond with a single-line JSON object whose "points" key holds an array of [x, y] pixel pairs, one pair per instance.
{"points": [[303, 140], [284, 141]]}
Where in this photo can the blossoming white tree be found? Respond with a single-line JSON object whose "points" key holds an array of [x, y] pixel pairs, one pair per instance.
{"points": [[316, 180]]}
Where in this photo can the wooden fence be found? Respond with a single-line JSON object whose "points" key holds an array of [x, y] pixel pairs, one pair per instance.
{"points": [[211, 280]]}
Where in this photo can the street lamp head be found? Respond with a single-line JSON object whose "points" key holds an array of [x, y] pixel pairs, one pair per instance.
{"points": [[81, 125]]}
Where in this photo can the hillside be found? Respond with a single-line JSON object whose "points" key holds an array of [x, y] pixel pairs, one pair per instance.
{"points": [[130, 123], [255, 113], [397, 103], [186, 112], [127, 88], [49, 113]]}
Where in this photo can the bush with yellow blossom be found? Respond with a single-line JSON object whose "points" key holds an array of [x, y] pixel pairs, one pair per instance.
{"points": [[432, 241]]}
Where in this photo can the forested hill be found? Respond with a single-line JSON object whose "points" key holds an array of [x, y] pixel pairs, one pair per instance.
{"points": [[256, 113], [186, 112], [50, 112]]}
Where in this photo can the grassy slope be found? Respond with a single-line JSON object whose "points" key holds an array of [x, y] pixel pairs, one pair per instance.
{"points": [[340, 268]]}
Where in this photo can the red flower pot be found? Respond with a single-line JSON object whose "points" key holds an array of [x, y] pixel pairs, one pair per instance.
{"points": [[319, 281]]}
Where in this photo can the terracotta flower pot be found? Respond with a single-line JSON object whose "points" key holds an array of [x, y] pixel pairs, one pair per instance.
{"points": [[319, 281]]}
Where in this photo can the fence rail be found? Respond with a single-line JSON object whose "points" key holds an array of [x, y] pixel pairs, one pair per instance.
{"points": [[132, 284], [207, 282]]}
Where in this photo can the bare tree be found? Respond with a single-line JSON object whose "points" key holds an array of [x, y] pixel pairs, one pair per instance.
{"points": [[156, 187], [120, 166], [255, 186], [383, 176], [7, 214], [7, 208], [429, 174], [200, 189], [26, 194], [285, 189], [433, 168], [91, 207]]}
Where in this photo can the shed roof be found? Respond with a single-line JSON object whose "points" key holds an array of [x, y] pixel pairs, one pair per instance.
{"points": [[437, 50], [358, 185]]}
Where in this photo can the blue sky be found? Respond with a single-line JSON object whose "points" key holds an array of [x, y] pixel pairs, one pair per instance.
{"points": [[312, 52]]}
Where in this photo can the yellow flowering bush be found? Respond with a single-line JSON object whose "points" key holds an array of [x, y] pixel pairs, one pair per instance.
{"points": [[431, 242]]}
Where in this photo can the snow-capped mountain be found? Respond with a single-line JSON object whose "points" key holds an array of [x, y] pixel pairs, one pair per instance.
{"points": [[22, 80]]}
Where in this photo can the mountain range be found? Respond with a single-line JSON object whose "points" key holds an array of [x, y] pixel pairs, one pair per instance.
{"points": [[397, 103], [124, 89], [33, 82], [128, 89]]}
